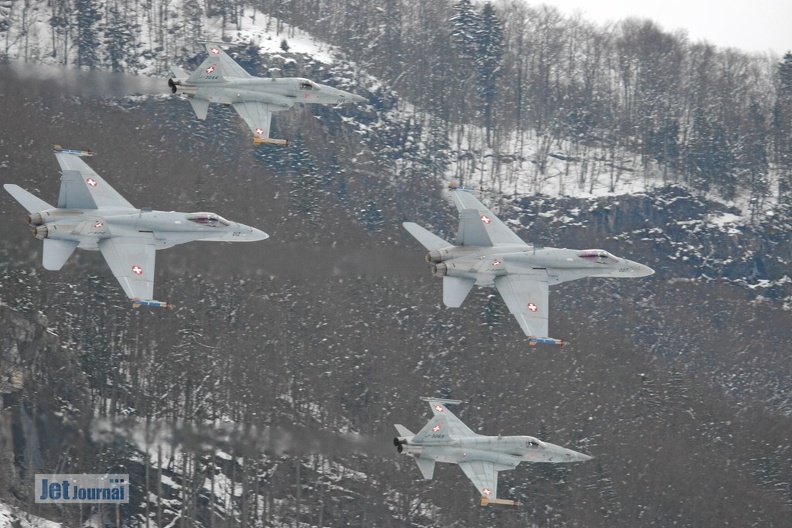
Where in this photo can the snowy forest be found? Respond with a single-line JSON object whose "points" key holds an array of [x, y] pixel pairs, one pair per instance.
{"points": [[267, 396], [483, 81]]}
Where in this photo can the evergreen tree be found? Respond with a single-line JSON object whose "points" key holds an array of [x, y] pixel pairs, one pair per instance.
{"points": [[372, 217], [464, 29], [121, 48], [785, 74], [489, 59], [709, 157], [88, 16]]}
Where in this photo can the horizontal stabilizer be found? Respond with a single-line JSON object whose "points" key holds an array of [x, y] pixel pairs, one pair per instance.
{"points": [[455, 290], [32, 203], [200, 106], [403, 431], [429, 240], [426, 466], [57, 252]]}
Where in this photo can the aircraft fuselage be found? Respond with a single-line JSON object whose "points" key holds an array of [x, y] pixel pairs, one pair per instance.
{"points": [[164, 228], [551, 265], [503, 450], [283, 93]]}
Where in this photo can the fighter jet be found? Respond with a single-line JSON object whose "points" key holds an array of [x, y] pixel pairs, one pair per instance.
{"points": [[446, 439], [92, 215], [219, 79], [487, 253]]}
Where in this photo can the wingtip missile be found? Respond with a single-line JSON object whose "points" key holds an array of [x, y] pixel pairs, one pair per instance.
{"points": [[533, 340], [258, 140], [505, 502], [454, 186], [137, 303], [60, 150]]}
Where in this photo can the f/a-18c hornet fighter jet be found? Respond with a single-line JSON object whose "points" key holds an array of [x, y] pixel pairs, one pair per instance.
{"points": [[487, 253], [92, 215], [446, 439], [219, 79]]}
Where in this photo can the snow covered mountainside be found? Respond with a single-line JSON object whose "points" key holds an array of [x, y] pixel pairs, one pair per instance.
{"points": [[267, 396]]}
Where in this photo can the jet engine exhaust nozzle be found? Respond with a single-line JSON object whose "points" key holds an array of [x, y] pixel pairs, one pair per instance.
{"points": [[177, 87], [433, 257], [440, 269], [41, 232], [35, 219], [399, 443]]}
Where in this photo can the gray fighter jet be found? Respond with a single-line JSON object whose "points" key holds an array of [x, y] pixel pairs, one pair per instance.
{"points": [[446, 439], [219, 79], [487, 253], [92, 215]]}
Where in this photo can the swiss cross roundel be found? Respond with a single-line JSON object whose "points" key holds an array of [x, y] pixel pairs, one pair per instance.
{"points": [[91, 182], [439, 408], [486, 219], [436, 428], [532, 307], [215, 51], [260, 131], [137, 270], [486, 491], [210, 69]]}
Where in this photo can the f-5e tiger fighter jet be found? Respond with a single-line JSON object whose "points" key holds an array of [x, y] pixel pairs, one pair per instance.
{"points": [[91, 215], [446, 439], [219, 79], [487, 253]]}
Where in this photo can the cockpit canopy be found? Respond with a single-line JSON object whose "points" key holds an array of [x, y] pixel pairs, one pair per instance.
{"points": [[307, 85], [208, 219], [600, 256]]}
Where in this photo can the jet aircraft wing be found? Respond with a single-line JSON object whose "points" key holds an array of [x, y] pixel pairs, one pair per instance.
{"points": [[228, 66], [528, 300], [257, 116], [478, 226], [132, 263], [484, 476], [83, 188]]}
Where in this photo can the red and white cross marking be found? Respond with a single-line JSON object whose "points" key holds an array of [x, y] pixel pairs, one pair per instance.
{"points": [[91, 182], [215, 51], [532, 307], [260, 131], [486, 491], [210, 69], [439, 408], [436, 428], [137, 270], [486, 219], [98, 224], [496, 262]]}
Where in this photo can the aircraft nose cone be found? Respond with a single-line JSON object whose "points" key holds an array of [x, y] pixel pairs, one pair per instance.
{"points": [[256, 235], [644, 271], [357, 98]]}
